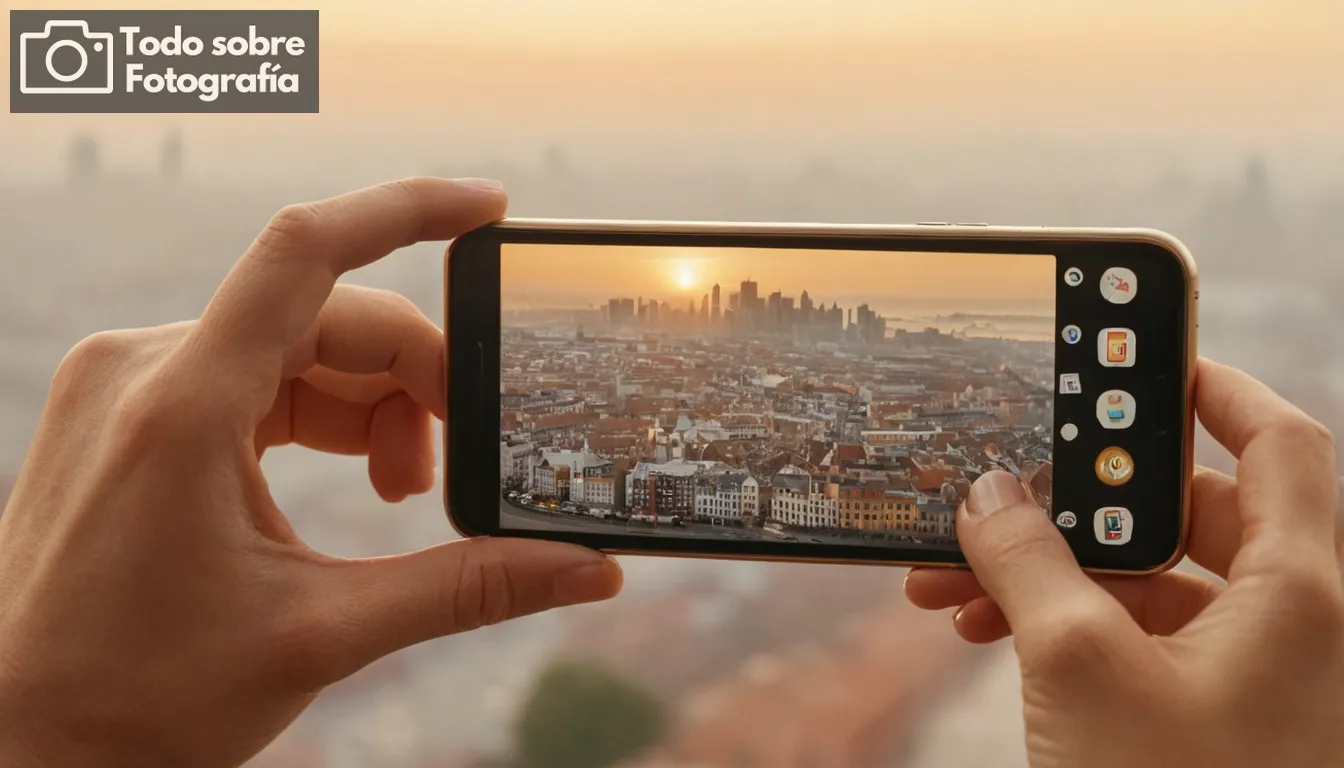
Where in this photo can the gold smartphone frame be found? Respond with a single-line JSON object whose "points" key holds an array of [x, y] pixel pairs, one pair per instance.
{"points": [[932, 231]]}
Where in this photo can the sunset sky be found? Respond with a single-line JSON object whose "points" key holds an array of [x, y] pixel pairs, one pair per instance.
{"points": [[537, 276], [409, 75]]}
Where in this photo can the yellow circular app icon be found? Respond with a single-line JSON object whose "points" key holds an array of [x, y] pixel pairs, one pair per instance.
{"points": [[1115, 466]]}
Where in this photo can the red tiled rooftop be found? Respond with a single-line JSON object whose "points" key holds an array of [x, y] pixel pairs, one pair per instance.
{"points": [[560, 420]]}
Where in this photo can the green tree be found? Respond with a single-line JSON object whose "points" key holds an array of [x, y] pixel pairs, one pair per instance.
{"points": [[582, 715]]}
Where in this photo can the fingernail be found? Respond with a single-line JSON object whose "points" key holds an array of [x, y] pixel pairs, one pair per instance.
{"points": [[994, 491], [588, 583], [489, 185]]}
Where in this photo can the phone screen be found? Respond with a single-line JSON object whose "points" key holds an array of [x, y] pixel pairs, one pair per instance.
{"points": [[839, 397], [665, 393]]}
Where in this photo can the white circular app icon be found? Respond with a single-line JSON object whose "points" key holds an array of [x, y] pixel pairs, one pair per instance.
{"points": [[1115, 409], [1066, 520], [1073, 276], [1071, 334], [1068, 432], [1119, 285]]}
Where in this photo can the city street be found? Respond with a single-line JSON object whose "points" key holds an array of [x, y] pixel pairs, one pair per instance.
{"points": [[521, 518]]}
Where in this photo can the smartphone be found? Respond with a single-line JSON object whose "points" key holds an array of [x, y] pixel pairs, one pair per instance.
{"points": [[818, 393]]}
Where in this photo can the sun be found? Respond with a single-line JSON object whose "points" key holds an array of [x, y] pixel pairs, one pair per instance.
{"points": [[685, 276], [686, 272]]}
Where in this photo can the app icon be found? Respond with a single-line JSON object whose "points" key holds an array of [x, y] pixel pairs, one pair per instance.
{"points": [[1113, 525], [1068, 432], [1115, 409], [1115, 466], [1115, 347], [1119, 285], [1073, 276], [1066, 520], [1070, 384], [1071, 334]]}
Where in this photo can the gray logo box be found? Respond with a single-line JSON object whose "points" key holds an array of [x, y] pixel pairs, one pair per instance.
{"points": [[163, 62]]}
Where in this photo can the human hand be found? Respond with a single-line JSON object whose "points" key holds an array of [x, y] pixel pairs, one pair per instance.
{"points": [[1171, 669], [158, 609]]}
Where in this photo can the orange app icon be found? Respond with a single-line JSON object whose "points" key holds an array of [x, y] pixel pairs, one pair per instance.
{"points": [[1115, 348], [1114, 466]]}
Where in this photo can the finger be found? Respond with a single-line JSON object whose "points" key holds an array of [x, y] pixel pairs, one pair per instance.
{"points": [[981, 621], [1215, 537], [273, 295], [401, 449], [315, 419], [1287, 480], [1215, 524], [395, 433], [1022, 560], [369, 331], [934, 589], [1161, 604], [352, 387], [385, 604]]}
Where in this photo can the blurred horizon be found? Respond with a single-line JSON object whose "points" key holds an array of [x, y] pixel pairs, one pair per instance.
{"points": [[862, 84], [1220, 123]]}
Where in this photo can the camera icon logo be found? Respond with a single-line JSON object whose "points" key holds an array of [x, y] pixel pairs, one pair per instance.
{"points": [[39, 72]]}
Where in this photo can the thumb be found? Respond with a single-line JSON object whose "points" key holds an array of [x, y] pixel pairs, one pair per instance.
{"points": [[1019, 557], [385, 604]]}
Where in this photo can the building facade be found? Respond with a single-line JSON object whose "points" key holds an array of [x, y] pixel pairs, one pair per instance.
{"points": [[662, 489], [801, 500], [727, 498], [516, 460], [551, 482]]}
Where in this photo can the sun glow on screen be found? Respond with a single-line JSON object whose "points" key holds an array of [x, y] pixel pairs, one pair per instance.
{"points": [[684, 274]]}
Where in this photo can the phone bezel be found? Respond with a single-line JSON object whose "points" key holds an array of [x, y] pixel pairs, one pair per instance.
{"points": [[472, 325]]}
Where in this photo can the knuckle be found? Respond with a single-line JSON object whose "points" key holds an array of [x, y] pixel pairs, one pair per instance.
{"points": [[482, 594], [1305, 431], [1314, 602], [295, 226], [409, 188], [1011, 544], [396, 302], [95, 352]]}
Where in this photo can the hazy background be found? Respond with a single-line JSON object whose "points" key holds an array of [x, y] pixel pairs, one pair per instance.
{"points": [[894, 284], [1221, 122]]}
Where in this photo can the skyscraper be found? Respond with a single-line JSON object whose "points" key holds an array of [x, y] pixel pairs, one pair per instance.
{"points": [[747, 301], [748, 293], [714, 305]]}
